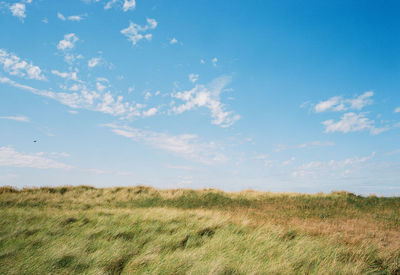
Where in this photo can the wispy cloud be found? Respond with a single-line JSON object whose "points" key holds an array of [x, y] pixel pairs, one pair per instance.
{"points": [[86, 99], [93, 62], [207, 96], [150, 112], [16, 118], [126, 4], [76, 18], [135, 32], [187, 146], [352, 122], [214, 61], [14, 65], [66, 75], [324, 168], [193, 77], [173, 41], [11, 158], [338, 103], [308, 145], [68, 42], [397, 110]]}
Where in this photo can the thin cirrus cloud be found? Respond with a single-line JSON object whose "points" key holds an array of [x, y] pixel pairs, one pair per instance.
{"points": [[207, 96], [9, 157], [187, 146], [397, 110], [14, 65], [309, 145], [336, 168], [16, 118], [135, 32]]}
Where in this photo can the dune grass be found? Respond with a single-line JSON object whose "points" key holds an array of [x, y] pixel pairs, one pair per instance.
{"points": [[141, 230]]}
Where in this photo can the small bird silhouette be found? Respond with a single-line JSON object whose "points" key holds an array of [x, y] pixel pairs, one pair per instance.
{"points": [[35, 141]]}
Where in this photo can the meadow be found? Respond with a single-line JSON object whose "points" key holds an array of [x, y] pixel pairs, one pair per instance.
{"points": [[142, 230]]}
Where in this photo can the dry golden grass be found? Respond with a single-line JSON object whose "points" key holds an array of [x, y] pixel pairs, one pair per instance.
{"points": [[182, 231]]}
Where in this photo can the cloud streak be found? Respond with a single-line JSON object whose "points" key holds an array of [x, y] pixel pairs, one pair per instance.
{"points": [[187, 146], [9, 157], [338, 103]]}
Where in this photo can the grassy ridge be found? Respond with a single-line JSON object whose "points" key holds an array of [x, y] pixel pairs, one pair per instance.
{"points": [[144, 230]]}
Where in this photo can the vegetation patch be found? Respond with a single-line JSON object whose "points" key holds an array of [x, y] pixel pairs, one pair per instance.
{"points": [[141, 230]]}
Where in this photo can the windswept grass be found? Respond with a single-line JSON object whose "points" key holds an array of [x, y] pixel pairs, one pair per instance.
{"points": [[141, 230]]}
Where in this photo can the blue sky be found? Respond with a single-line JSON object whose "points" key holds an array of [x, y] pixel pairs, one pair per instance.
{"points": [[297, 96]]}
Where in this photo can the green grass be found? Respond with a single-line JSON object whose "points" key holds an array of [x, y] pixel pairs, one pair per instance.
{"points": [[140, 230]]}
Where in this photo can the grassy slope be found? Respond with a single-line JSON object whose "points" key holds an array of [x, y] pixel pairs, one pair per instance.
{"points": [[143, 230]]}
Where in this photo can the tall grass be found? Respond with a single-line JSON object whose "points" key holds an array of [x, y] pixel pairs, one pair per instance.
{"points": [[141, 230]]}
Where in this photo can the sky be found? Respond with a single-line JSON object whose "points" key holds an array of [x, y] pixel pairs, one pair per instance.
{"points": [[283, 96]]}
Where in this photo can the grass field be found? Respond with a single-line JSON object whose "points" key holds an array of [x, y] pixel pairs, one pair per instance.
{"points": [[141, 230]]}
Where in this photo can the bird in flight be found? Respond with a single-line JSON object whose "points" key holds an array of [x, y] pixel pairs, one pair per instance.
{"points": [[35, 141]]}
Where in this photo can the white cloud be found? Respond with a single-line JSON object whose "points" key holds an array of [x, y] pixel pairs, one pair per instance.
{"points": [[94, 62], [193, 77], [109, 4], [126, 5], [173, 41], [309, 145], [147, 95], [207, 97], [69, 76], [129, 5], [289, 161], [150, 112], [397, 110], [86, 99], [214, 61], [16, 118], [187, 146], [71, 17], [15, 66], [332, 167], [18, 10], [100, 87], [338, 103], [68, 42], [60, 16], [135, 32], [352, 122], [11, 158]]}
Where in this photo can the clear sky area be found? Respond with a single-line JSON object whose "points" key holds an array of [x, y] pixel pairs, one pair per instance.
{"points": [[299, 96]]}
